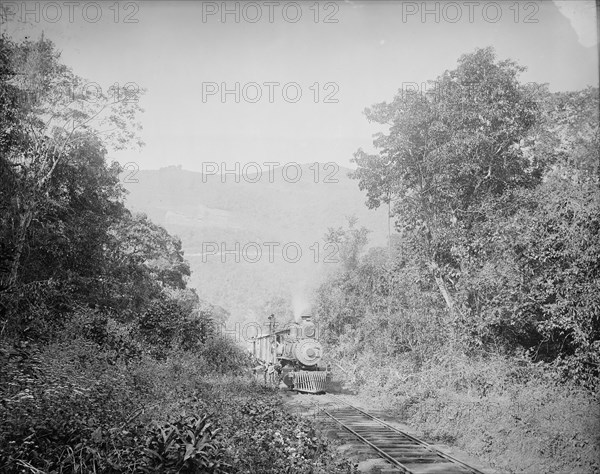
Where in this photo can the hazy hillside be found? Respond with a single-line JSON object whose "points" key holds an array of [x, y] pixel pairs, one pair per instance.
{"points": [[261, 218]]}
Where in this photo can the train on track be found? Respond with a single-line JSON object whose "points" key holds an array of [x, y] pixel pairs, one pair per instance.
{"points": [[297, 349]]}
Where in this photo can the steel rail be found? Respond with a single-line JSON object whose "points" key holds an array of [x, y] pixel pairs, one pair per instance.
{"points": [[387, 456], [382, 453]]}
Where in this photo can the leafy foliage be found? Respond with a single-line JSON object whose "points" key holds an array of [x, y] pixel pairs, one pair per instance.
{"points": [[494, 187], [266, 439], [187, 445], [73, 406], [105, 352], [480, 323], [58, 189]]}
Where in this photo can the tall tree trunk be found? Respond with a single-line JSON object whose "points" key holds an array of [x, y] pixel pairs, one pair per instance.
{"points": [[20, 239], [28, 209], [439, 280], [444, 291]]}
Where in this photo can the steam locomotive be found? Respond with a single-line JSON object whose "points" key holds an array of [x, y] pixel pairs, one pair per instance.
{"points": [[297, 349]]}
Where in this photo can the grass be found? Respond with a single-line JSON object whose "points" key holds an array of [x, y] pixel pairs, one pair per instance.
{"points": [[517, 416], [73, 406]]}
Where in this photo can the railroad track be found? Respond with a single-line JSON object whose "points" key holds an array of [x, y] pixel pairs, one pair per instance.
{"points": [[405, 453]]}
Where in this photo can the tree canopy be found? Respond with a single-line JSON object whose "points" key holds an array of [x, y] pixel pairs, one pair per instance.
{"points": [[493, 185]]}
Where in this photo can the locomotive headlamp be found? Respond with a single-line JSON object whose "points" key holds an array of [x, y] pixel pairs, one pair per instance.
{"points": [[309, 330]]}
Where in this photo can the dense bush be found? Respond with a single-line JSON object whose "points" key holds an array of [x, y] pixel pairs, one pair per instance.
{"points": [[516, 415], [264, 438], [108, 360], [78, 406], [186, 446], [493, 269], [55, 400], [494, 191]]}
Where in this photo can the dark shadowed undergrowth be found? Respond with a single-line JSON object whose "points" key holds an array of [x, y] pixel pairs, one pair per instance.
{"points": [[74, 406]]}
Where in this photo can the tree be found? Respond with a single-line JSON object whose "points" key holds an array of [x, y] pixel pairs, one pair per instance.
{"points": [[143, 261], [446, 156], [349, 243], [51, 120], [339, 304]]}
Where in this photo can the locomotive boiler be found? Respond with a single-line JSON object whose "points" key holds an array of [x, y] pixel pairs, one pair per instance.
{"points": [[297, 349]]}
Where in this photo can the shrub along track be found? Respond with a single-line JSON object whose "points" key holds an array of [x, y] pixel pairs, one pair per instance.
{"points": [[403, 452]]}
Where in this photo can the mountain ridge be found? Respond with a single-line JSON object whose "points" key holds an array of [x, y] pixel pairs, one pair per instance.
{"points": [[240, 219]]}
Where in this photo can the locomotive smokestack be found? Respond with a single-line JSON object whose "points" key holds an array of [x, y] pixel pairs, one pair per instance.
{"points": [[301, 305], [306, 316]]}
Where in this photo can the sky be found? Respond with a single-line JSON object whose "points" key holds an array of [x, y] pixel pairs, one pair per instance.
{"points": [[305, 71]]}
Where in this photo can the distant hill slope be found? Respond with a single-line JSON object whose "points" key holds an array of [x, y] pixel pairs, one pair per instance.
{"points": [[261, 218]]}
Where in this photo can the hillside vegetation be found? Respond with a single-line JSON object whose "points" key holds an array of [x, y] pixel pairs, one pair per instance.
{"points": [[481, 326], [109, 362], [202, 209]]}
